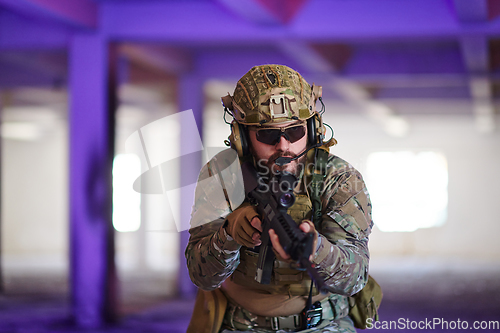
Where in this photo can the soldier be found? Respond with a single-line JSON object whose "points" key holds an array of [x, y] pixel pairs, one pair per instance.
{"points": [[274, 115]]}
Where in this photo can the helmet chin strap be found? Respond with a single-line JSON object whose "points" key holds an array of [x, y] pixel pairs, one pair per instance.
{"points": [[282, 160]]}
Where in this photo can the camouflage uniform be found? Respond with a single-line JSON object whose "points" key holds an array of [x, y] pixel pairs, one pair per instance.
{"points": [[341, 258]]}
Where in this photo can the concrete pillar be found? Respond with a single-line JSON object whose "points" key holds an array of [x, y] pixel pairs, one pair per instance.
{"points": [[1, 224], [91, 124], [190, 97]]}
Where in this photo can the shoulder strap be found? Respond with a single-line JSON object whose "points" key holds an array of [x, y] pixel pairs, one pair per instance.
{"points": [[315, 174]]}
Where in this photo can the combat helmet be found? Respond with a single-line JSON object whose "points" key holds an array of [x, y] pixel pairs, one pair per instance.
{"points": [[271, 94]]}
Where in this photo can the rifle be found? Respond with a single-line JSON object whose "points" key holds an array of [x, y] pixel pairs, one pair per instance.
{"points": [[272, 201]]}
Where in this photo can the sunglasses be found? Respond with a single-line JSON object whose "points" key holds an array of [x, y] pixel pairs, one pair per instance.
{"points": [[272, 136]]}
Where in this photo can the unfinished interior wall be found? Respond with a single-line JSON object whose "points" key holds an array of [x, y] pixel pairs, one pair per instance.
{"points": [[34, 186]]}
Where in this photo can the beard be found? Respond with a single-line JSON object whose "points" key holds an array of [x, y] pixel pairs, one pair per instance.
{"points": [[268, 168]]}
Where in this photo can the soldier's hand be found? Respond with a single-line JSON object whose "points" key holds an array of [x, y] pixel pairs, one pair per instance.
{"points": [[305, 226], [244, 226]]}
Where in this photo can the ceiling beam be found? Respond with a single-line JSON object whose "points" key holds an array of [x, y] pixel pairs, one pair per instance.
{"points": [[265, 11], [74, 13], [475, 50], [15, 77], [251, 10], [20, 33], [318, 20], [43, 63], [305, 55], [403, 80], [411, 57], [163, 58], [233, 64], [471, 11]]}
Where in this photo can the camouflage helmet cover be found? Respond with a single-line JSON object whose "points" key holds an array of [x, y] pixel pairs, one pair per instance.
{"points": [[272, 94]]}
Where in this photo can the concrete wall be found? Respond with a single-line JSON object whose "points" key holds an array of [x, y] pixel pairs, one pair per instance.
{"points": [[472, 226], [34, 196], [35, 200], [155, 246]]}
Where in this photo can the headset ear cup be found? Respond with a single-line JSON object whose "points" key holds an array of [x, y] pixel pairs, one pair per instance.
{"points": [[245, 150], [311, 131], [238, 139]]}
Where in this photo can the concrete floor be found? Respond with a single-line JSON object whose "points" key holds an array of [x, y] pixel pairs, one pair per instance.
{"points": [[40, 303], [438, 297], [413, 292]]}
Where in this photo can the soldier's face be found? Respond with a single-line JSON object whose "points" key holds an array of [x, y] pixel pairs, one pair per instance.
{"points": [[267, 152]]}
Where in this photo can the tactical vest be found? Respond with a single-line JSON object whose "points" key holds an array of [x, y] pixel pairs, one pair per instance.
{"points": [[287, 278]]}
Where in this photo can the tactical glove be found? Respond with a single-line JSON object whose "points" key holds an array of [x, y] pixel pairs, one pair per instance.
{"points": [[238, 225]]}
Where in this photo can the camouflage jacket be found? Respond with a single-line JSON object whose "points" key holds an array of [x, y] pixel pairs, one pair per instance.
{"points": [[342, 255]]}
